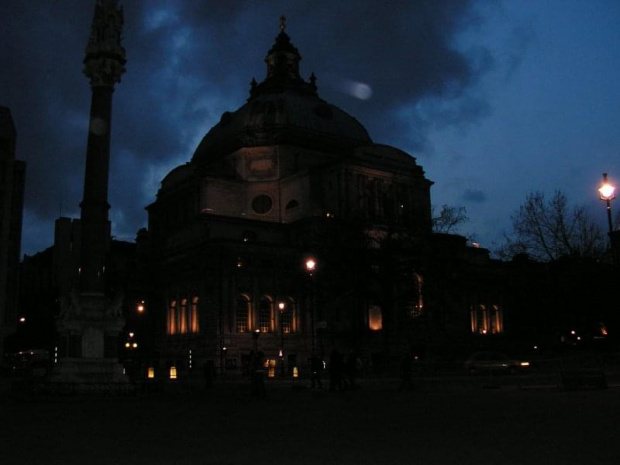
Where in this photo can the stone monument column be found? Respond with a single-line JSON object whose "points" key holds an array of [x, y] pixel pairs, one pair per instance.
{"points": [[90, 321]]}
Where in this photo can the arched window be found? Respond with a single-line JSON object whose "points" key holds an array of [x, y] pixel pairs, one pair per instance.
{"points": [[496, 323], [292, 204], [193, 316], [288, 316], [479, 319], [172, 317], [265, 309], [183, 317], [242, 315]]}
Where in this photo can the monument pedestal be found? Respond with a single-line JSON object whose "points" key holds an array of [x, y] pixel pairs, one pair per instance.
{"points": [[89, 326]]}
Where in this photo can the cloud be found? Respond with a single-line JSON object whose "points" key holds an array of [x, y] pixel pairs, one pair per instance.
{"points": [[190, 61], [474, 195]]}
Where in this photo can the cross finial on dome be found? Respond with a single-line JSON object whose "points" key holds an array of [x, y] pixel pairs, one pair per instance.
{"points": [[282, 23]]}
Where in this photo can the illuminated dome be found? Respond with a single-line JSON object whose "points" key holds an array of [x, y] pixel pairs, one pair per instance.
{"points": [[283, 109]]}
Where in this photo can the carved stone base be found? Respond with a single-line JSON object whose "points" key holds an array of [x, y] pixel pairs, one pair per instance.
{"points": [[88, 328], [88, 370]]}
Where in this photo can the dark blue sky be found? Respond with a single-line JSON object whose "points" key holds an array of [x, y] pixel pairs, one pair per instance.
{"points": [[495, 99]]}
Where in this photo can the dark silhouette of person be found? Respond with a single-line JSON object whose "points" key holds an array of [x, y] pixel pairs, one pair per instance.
{"points": [[316, 369], [336, 369]]}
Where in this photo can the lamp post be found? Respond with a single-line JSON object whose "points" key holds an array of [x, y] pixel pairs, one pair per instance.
{"points": [[310, 269], [281, 309], [606, 194], [255, 336]]}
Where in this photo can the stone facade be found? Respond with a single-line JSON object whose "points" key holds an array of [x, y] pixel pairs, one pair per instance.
{"points": [[286, 177]]}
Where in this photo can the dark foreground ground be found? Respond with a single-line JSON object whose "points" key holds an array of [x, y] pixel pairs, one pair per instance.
{"points": [[376, 424]]}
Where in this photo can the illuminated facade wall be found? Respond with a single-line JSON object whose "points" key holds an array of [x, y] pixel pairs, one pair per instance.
{"points": [[182, 316], [286, 176]]}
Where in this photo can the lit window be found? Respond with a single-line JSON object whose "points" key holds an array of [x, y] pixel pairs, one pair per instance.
{"points": [[271, 367], [375, 318], [264, 315], [183, 317], [151, 373], [193, 316], [173, 372], [415, 305], [287, 317], [243, 314], [172, 317], [486, 320], [286, 322], [480, 319], [496, 323]]}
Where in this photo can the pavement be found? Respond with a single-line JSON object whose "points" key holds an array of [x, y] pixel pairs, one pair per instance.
{"points": [[458, 420]]}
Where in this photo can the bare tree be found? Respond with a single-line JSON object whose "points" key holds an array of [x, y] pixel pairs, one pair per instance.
{"points": [[449, 220], [550, 229]]}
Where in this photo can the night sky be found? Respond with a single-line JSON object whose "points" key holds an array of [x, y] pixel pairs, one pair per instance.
{"points": [[495, 99]]}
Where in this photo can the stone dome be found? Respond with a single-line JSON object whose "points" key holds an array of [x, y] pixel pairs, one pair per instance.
{"points": [[283, 109]]}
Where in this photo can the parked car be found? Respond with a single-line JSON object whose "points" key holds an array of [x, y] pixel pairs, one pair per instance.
{"points": [[489, 361]]}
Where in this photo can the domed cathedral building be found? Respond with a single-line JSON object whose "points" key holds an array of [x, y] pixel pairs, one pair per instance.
{"points": [[291, 232]]}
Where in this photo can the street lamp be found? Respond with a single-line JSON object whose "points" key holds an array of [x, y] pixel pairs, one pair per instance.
{"points": [[281, 309], [255, 336], [311, 265], [606, 194]]}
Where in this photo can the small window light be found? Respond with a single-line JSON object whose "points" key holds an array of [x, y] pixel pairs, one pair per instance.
{"points": [[375, 318], [151, 373], [173, 372], [295, 372]]}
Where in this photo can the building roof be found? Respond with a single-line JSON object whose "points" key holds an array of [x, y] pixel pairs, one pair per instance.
{"points": [[282, 109]]}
